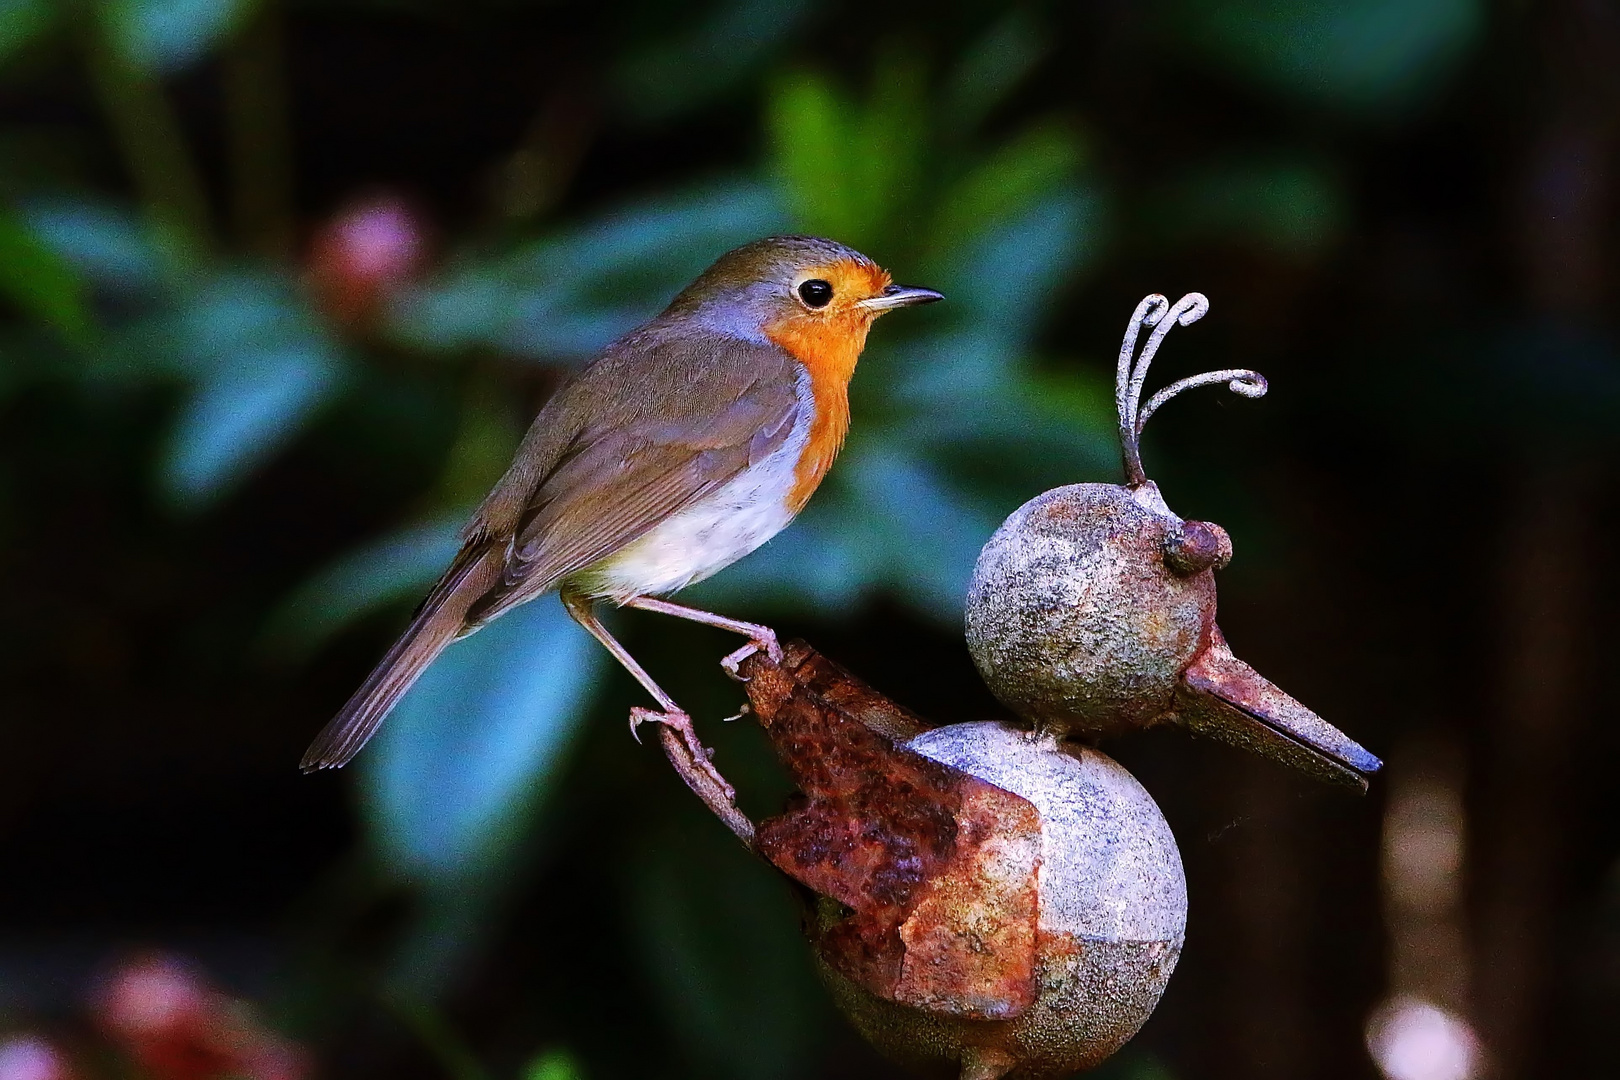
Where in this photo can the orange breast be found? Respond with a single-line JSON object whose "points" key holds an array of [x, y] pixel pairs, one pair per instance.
{"points": [[828, 347]]}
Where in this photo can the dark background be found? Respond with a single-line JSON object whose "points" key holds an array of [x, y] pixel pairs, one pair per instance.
{"points": [[1402, 210]]}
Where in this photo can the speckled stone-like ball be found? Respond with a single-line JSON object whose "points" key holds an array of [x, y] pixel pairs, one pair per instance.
{"points": [[1112, 915], [1075, 617]]}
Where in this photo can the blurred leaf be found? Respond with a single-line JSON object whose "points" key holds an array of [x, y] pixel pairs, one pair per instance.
{"points": [[567, 296], [681, 71], [1291, 207], [40, 282], [167, 35], [1365, 55], [111, 247], [261, 367], [718, 933], [849, 169], [992, 68], [21, 21], [554, 1065], [237, 418], [401, 566], [1005, 185], [929, 530], [999, 287], [468, 755]]}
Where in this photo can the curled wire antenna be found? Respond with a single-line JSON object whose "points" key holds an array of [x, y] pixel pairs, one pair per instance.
{"points": [[1156, 311]]}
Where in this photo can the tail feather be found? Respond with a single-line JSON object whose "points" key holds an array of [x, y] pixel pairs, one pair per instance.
{"points": [[439, 621]]}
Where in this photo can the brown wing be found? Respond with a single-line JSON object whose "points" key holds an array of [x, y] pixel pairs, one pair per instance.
{"points": [[680, 421]]}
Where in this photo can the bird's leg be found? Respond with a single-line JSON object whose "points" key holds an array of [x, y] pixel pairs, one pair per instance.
{"points": [[696, 757], [759, 637]]}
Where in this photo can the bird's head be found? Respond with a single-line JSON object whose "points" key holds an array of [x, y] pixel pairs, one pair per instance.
{"points": [[816, 298]]}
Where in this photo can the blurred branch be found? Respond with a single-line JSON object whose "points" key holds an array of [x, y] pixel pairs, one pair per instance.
{"points": [[258, 135], [147, 131]]}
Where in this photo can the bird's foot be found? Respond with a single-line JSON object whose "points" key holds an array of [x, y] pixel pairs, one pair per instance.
{"points": [[763, 640], [680, 725]]}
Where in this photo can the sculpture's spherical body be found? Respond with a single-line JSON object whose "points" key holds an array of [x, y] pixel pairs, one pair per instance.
{"points": [[1112, 914], [1077, 619]]}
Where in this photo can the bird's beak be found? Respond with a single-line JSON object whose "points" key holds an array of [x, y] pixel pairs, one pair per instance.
{"points": [[898, 296], [1226, 699]]}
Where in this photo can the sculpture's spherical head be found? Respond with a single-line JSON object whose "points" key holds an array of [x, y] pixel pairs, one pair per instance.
{"points": [[1112, 914], [1089, 602]]}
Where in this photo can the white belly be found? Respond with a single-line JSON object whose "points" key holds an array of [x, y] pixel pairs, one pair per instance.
{"points": [[707, 536]]}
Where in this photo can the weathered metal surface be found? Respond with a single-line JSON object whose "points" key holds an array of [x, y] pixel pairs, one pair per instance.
{"points": [[936, 868], [1228, 700], [991, 903], [1073, 618], [1196, 546], [1112, 902]]}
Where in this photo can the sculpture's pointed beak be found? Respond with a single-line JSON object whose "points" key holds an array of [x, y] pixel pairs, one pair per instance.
{"points": [[1224, 698]]}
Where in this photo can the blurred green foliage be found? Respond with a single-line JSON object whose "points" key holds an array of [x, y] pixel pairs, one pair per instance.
{"points": [[40, 282], [1365, 56]]}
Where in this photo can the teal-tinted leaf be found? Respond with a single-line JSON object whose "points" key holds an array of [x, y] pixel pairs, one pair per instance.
{"points": [[21, 21], [566, 296], [686, 70], [1067, 426], [929, 531], [1011, 278], [1290, 207], [110, 247], [998, 290], [390, 570], [1364, 55], [38, 281], [452, 778], [719, 935], [167, 35], [236, 418], [260, 368]]}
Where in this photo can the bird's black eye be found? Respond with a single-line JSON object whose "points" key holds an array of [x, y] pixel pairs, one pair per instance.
{"points": [[816, 293]]}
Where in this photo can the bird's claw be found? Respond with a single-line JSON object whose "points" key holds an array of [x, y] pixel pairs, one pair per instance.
{"points": [[681, 724], [764, 641]]}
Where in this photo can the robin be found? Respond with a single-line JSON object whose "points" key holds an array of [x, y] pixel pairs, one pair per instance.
{"points": [[686, 445]]}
